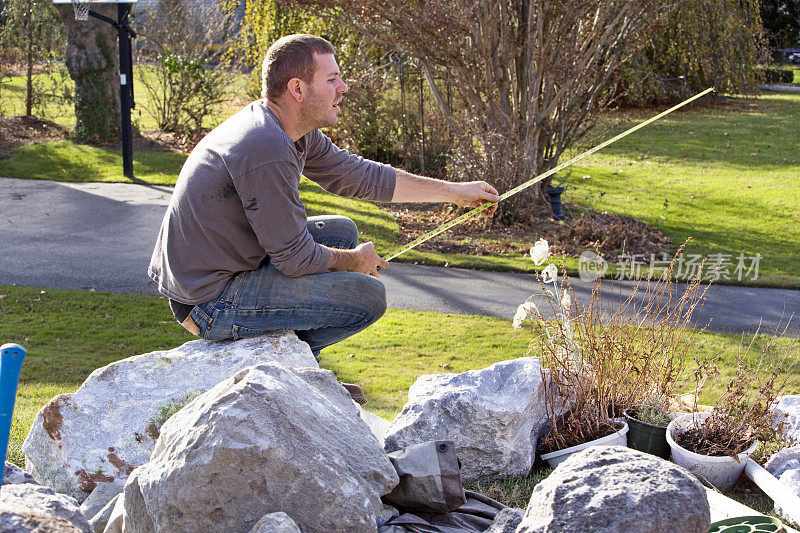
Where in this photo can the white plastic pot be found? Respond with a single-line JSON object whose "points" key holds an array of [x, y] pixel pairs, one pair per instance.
{"points": [[722, 472], [618, 438]]}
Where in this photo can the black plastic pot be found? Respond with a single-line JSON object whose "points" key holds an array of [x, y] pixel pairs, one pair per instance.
{"points": [[647, 437]]}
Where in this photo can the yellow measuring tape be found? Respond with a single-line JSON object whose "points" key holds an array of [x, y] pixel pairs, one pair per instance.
{"points": [[540, 177]]}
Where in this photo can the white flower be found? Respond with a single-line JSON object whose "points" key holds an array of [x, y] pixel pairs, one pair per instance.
{"points": [[566, 301], [524, 311], [540, 252], [550, 273]]}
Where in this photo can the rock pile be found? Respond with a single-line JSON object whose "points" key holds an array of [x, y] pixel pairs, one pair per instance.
{"points": [[251, 436]]}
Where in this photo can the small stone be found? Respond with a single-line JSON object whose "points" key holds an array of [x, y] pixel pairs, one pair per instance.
{"points": [[506, 521], [275, 523], [14, 475]]}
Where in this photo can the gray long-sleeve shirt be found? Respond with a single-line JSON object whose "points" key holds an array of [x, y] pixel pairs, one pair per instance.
{"points": [[237, 201]]}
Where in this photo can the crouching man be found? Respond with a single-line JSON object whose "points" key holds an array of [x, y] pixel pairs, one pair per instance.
{"points": [[236, 254]]}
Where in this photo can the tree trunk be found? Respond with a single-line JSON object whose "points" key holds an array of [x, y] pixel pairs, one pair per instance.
{"points": [[92, 59]]}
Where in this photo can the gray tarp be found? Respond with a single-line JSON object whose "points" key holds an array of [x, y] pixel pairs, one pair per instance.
{"points": [[430, 497]]}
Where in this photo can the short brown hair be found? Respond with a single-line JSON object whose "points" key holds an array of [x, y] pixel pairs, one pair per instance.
{"points": [[291, 57]]}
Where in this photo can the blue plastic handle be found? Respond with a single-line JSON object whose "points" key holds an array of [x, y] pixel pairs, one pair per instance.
{"points": [[11, 357]]}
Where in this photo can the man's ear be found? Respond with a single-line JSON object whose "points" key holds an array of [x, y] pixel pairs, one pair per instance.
{"points": [[296, 89]]}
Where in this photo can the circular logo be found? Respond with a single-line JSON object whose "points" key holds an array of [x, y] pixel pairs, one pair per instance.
{"points": [[591, 266]]}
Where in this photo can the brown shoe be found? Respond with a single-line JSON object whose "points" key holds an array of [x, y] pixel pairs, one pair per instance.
{"points": [[356, 393]]}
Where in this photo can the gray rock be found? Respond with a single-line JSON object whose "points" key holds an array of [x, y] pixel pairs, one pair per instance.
{"points": [[613, 488], [100, 519], [100, 496], [493, 416], [275, 523], [506, 521], [14, 475], [27, 507], [783, 460], [377, 425], [117, 517], [790, 478], [267, 439], [109, 425], [787, 409]]}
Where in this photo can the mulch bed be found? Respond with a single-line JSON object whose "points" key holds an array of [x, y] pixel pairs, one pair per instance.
{"points": [[20, 130], [583, 229]]}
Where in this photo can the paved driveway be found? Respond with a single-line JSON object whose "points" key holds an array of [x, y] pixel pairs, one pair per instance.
{"points": [[100, 236]]}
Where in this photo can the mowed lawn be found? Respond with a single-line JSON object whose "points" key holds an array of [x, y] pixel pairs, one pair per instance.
{"points": [[727, 177], [68, 334]]}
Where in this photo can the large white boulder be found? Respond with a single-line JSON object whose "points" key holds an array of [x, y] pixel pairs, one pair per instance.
{"points": [[106, 428], [492, 415], [613, 488], [267, 439]]}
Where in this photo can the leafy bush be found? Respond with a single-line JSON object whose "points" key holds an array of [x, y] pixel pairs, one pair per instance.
{"points": [[181, 41]]}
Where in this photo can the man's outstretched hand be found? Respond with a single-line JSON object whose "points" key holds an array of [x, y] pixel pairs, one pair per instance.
{"points": [[361, 259], [474, 194]]}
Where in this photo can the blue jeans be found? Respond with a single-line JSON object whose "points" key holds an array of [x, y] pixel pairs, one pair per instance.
{"points": [[321, 308]]}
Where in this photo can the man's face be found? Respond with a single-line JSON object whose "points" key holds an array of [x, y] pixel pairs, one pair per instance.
{"points": [[325, 92]]}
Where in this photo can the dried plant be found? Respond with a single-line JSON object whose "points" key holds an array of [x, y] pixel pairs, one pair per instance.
{"points": [[743, 414], [611, 354]]}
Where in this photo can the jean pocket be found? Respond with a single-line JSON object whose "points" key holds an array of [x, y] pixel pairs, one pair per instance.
{"points": [[241, 332], [203, 319]]}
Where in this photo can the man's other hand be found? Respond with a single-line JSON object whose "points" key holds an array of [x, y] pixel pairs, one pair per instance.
{"points": [[474, 194], [361, 259]]}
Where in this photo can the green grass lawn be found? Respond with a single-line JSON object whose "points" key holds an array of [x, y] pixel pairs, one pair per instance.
{"points": [[68, 334], [727, 176]]}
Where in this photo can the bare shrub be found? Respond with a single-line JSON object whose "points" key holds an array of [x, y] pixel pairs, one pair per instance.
{"points": [[528, 75], [743, 414], [612, 354]]}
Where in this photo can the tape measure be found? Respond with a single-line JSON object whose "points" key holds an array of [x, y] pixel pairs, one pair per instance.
{"points": [[458, 220]]}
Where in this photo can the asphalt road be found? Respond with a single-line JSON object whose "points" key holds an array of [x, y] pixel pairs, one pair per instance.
{"points": [[100, 236]]}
